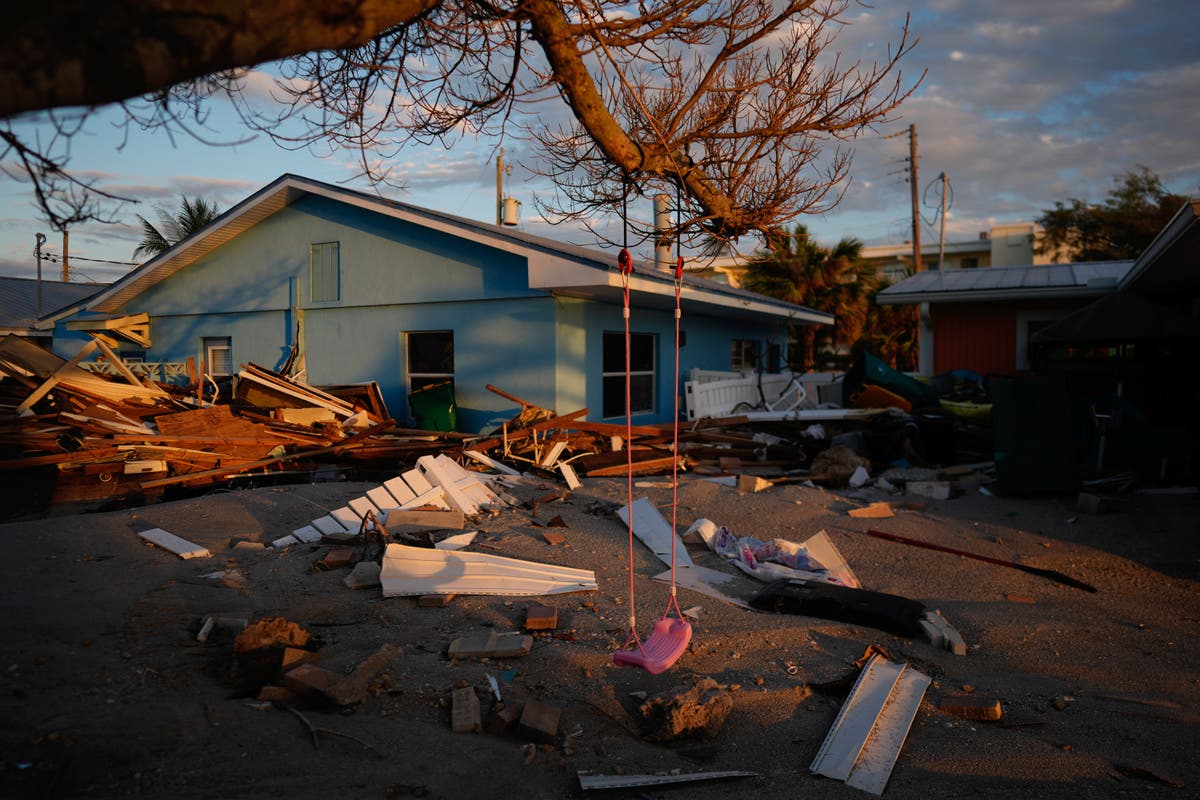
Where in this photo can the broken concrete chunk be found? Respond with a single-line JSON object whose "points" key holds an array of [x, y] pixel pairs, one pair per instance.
{"points": [[503, 719], [491, 645], [752, 483], [353, 688], [365, 575], [309, 679], [872, 511], [464, 711], [539, 721]]}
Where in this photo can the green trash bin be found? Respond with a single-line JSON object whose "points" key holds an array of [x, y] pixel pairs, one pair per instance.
{"points": [[434, 408]]}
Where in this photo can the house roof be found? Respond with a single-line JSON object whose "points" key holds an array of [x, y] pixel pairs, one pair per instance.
{"points": [[556, 267], [1171, 263], [1122, 316], [1089, 279], [19, 300]]}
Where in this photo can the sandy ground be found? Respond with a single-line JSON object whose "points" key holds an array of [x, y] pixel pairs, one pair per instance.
{"points": [[105, 691]]}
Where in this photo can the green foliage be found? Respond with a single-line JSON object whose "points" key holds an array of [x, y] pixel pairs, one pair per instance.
{"points": [[194, 214], [1121, 227], [836, 281]]}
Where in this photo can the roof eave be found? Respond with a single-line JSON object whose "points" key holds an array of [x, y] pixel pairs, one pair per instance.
{"points": [[979, 296]]}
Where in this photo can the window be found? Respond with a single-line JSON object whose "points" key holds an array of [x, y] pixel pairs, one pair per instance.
{"points": [[430, 358], [774, 358], [744, 354], [218, 356], [969, 263], [641, 373], [325, 284]]}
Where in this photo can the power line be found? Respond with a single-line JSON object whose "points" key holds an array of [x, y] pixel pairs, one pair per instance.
{"points": [[55, 257]]}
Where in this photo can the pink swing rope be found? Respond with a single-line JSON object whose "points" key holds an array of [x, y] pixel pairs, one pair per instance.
{"points": [[670, 638]]}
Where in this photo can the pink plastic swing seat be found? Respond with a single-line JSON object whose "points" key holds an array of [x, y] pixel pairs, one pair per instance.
{"points": [[666, 644]]}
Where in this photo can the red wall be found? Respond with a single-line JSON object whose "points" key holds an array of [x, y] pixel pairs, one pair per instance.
{"points": [[976, 336]]}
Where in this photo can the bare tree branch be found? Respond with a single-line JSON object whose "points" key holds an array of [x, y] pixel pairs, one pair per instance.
{"points": [[729, 104]]}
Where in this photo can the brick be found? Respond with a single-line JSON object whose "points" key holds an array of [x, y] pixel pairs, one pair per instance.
{"points": [[464, 711], [539, 721], [541, 618], [338, 558], [434, 600], [276, 694], [503, 720], [310, 679], [974, 708], [553, 538]]}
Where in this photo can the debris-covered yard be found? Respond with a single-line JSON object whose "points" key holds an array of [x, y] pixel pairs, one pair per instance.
{"points": [[128, 670]]}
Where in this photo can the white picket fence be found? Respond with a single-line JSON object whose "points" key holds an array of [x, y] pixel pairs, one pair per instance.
{"points": [[711, 393]]}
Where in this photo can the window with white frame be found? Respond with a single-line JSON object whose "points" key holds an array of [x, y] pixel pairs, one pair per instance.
{"points": [[641, 373], [744, 354], [218, 356], [325, 279], [430, 358]]}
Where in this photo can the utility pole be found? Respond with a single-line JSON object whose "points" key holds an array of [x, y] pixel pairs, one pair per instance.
{"points": [[500, 188], [942, 240], [66, 269], [916, 206], [41, 239]]}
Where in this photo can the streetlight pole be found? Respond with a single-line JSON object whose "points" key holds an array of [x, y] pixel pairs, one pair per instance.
{"points": [[41, 240]]}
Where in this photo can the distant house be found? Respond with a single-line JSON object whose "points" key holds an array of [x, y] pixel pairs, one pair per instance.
{"points": [[23, 300], [367, 289], [982, 319], [1010, 244]]}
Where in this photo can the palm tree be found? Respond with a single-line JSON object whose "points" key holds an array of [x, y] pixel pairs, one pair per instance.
{"points": [[193, 215], [836, 281]]}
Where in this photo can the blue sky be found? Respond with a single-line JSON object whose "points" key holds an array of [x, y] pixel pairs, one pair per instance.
{"points": [[1024, 103]]}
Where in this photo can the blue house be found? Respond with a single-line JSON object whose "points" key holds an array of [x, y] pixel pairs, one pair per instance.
{"points": [[368, 289]]}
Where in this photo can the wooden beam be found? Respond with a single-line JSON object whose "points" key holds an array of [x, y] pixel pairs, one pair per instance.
{"points": [[52, 381]]}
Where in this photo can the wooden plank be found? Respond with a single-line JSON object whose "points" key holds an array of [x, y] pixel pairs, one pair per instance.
{"points": [[327, 524], [439, 474], [551, 455], [425, 519], [52, 380], [361, 505], [431, 497], [382, 498], [487, 461], [568, 473], [174, 544], [347, 518], [398, 489], [491, 645]]}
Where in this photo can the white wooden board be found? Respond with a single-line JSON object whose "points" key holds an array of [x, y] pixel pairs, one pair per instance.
{"points": [[418, 570], [655, 532], [174, 544]]}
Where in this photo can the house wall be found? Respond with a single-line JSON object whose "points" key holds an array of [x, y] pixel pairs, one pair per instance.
{"points": [[989, 337], [397, 277]]}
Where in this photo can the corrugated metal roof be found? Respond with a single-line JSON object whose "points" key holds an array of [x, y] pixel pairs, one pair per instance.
{"points": [[991, 283], [19, 299]]}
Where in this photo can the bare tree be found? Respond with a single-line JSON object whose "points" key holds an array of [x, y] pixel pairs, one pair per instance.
{"points": [[727, 104]]}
